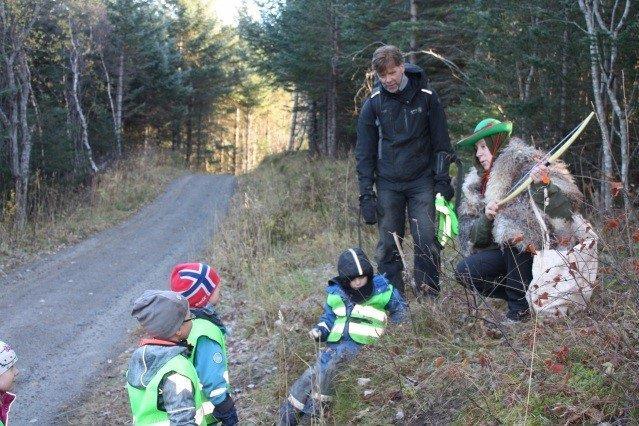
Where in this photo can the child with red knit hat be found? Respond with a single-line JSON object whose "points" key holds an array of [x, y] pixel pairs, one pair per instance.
{"points": [[200, 285]]}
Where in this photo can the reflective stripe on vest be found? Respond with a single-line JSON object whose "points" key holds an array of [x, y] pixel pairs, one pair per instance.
{"points": [[365, 322], [144, 401]]}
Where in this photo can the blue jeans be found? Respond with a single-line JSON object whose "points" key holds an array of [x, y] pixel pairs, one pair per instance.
{"points": [[317, 380]]}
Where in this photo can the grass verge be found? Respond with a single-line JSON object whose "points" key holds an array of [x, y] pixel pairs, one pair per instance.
{"points": [[290, 220]]}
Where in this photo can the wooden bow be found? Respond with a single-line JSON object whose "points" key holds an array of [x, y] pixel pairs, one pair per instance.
{"points": [[554, 153]]}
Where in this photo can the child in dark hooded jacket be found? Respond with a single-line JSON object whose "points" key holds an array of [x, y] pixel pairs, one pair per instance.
{"points": [[357, 307]]}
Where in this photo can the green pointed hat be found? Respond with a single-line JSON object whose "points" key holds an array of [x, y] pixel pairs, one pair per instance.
{"points": [[485, 128]]}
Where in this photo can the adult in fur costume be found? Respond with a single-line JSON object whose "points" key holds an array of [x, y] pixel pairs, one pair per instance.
{"points": [[499, 242]]}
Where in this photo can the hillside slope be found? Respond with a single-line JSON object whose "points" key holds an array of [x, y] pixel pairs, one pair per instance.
{"points": [[291, 218]]}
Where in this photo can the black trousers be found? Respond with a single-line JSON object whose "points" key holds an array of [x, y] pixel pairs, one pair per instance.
{"points": [[392, 207], [503, 274]]}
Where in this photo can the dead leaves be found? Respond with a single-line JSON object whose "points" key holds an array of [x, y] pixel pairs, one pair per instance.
{"points": [[635, 236], [563, 240], [553, 367], [615, 188], [562, 354], [611, 224], [557, 365]]}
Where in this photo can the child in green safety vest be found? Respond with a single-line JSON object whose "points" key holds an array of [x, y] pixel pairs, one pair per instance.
{"points": [[200, 285], [358, 306], [162, 383], [8, 374]]}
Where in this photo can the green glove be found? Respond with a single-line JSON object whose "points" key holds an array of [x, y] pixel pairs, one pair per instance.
{"points": [[447, 223]]}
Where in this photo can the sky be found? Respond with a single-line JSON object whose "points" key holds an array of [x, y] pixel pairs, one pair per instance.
{"points": [[226, 10]]}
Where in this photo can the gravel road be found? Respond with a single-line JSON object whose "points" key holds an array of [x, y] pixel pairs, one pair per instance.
{"points": [[67, 315]]}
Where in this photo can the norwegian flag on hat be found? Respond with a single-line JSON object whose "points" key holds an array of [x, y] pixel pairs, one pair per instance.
{"points": [[195, 281]]}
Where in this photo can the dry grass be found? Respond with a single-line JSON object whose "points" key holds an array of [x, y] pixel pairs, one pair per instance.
{"points": [[292, 217], [64, 216]]}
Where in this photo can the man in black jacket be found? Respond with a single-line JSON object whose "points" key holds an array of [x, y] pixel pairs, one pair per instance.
{"points": [[403, 149]]}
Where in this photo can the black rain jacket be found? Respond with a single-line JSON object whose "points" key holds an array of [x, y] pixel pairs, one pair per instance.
{"points": [[412, 130]]}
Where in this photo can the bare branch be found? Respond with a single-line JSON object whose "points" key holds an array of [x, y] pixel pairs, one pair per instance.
{"points": [[600, 21], [622, 21]]}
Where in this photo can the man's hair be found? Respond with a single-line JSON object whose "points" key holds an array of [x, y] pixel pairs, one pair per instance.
{"points": [[386, 56]]}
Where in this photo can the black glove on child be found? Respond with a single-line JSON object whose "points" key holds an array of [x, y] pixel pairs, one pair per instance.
{"points": [[368, 208]]}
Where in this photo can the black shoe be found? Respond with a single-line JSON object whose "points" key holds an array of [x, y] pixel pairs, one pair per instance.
{"points": [[517, 316]]}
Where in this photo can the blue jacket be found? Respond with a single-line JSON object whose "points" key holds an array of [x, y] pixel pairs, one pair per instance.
{"points": [[210, 363], [396, 307]]}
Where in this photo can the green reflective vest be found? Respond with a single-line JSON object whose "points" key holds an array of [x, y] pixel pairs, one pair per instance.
{"points": [[366, 321], [144, 402], [205, 328]]}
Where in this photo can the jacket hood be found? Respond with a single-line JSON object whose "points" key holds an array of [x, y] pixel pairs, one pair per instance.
{"points": [[147, 360], [414, 72], [354, 263]]}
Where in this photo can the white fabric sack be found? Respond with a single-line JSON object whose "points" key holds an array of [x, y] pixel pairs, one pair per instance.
{"points": [[563, 279]]}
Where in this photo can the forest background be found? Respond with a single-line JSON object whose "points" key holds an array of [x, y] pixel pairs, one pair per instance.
{"points": [[84, 84]]}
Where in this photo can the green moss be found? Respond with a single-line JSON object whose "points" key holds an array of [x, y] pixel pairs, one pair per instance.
{"points": [[587, 380]]}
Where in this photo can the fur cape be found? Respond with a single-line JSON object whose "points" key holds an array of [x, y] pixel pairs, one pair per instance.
{"points": [[515, 223]]}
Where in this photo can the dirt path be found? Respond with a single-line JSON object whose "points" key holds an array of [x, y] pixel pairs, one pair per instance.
{"points": [[69, 314]]}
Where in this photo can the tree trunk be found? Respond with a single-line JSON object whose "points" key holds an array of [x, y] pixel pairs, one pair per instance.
{"points": [[176, 134], [198, 142], [237, 142], [313, 130], [22, 181], [118, 105], [74, 59], [602, 70], [247, 138], [564, 83], [17, 89], [291, 139], [72, 133], [413, 33], [189, 139], [114, 112], [331, 98]]}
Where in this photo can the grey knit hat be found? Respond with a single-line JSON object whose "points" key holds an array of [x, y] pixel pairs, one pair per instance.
{"points": [[7, 357], [161, 313]]}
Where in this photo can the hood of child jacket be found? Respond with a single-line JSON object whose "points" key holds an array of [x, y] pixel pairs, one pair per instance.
{"points": [[354, 263], [147, 360]]}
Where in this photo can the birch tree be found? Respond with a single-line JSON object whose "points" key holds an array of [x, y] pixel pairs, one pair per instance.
{"points": [[605, 22], [77, 50], [16, 22]]}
